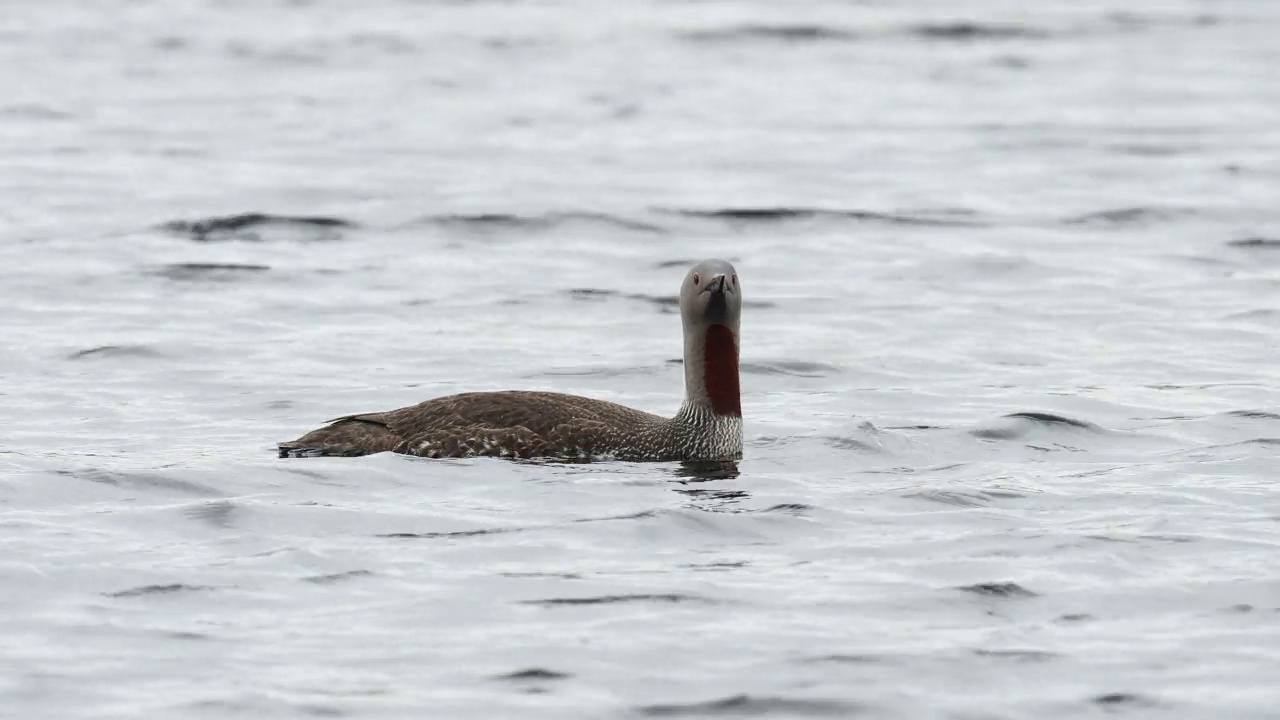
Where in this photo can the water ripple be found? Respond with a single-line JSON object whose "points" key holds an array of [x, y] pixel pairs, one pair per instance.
{"points": [[259, 227], [967, 31], [536, 673], [1256, 243], [616, 599], [116, 351], [452, 533], [797, 33], [1001, 590], [203, 271], [757, 706], [337, 577], [773, 215], [157, 590], [542, 222]]}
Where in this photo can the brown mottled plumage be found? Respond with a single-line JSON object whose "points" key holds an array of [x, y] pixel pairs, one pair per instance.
{"points": [[526, 424]]}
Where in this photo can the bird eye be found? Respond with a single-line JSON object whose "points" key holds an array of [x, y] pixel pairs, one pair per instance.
{"points": [[696, 279]]}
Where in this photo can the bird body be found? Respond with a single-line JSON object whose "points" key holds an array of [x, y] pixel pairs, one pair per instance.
{"points": [[533, 424]]}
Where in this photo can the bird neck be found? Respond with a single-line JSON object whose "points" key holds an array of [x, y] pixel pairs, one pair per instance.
{"points": [[711, 370]]}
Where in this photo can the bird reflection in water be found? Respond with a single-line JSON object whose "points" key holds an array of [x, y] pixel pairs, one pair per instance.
{"points": [[710, 499]]}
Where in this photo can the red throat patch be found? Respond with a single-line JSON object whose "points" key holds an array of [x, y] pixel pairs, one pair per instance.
{"points": [[721, 367]]}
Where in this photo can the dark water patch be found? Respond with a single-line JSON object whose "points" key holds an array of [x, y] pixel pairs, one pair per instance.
{"points": [[629, 516], [115, 351], [170, 43], [34, 111], [970, 31], [1127, 216], [1004, 494], [693, 471], [1149, 149], [1263, 441], [1076, 618], [1019, 655], [1055, 448], [157, 590], [138, 480], [485, 221], [751, 706], [790, 33], [793, 368], [500, 222], [1239, 609], [1007, 433], [592, 293], [279, 405], [510, 42], [390, 43], [1033, 420], [1261, 315], [1001, 590], [452, 534], [849, 659], [1117, 699], [1109, 538], [715, 499], [1218, 264], [310, 474], [1254, 414], [218, 513], [559, 576], [1137, 21], [1256, 243], [775, 215], [323, 710], [337, 577], [536, 673], [185, 635], [615, 599], [1200, 386], [788, 509], [715, 566], [258, 227], [1051, 419], [198, 272], [668, 264], [299, 55], [1013, 62]]}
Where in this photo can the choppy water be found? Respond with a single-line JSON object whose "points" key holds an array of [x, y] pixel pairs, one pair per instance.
{"points": [[1011, 390]]}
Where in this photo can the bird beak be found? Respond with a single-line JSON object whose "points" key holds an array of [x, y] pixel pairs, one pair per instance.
{"points": [[717, 304]]}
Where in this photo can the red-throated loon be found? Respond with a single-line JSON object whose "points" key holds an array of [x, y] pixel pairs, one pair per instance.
{"points": [[526, 424]]}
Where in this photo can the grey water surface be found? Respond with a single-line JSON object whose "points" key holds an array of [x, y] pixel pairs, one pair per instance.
{"points": [[1009, 357]]}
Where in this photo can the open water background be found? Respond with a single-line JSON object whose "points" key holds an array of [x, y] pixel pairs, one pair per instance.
{"points": [[1010, 378]]}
